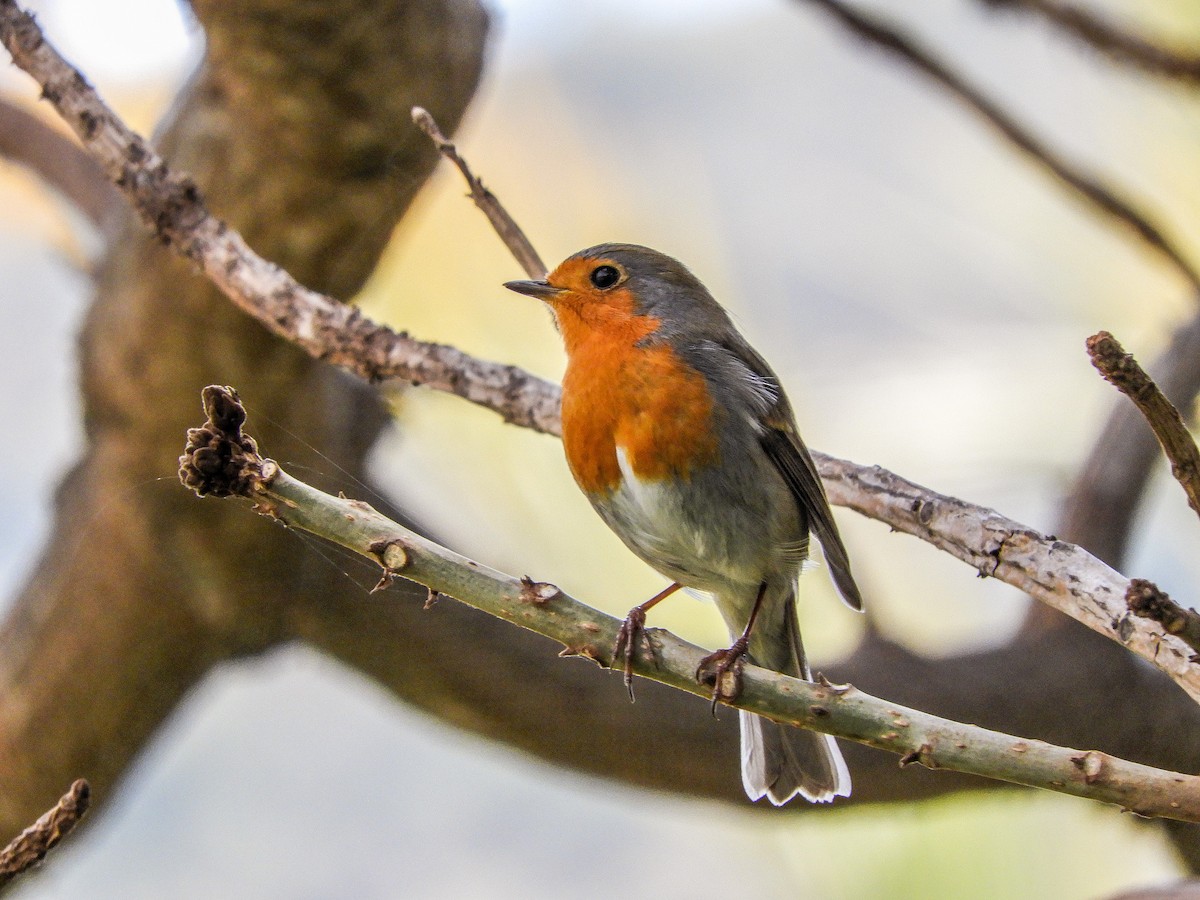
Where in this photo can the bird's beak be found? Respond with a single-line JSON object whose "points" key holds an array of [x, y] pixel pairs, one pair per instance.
{"points": [[543, 290]]}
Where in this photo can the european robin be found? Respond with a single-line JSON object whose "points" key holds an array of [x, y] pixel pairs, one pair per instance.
{"points": [[681, 437]]}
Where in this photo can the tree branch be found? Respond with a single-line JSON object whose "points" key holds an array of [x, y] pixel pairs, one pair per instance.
{"points": [[1061, 575], [1098, 511], [326, 329], [31, 845], [1146, 600], [212, 582], [1119, 44], [877, 32], [1101, 503], [1122, 371], [223, 461], [505, 225]]}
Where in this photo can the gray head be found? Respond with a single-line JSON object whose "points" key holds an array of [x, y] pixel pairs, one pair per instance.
{"points": [[609, 283]]}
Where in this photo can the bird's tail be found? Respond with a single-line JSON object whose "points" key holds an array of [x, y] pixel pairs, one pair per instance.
{"points": [[780, 761]]}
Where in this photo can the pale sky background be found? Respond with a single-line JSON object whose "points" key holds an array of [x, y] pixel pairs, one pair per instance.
{"points": [[134, 39]]}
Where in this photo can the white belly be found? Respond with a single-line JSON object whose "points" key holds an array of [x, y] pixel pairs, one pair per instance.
{"points": [[704, 549]]}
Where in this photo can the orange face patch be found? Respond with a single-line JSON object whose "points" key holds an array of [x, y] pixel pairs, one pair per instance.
{"points": [[618, 394], [582, 310]]}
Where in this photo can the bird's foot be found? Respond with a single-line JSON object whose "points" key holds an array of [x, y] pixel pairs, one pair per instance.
{"points": [[633, 631], [722, 671]]}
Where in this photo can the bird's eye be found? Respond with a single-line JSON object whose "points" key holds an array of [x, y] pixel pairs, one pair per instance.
{"points": [[605, 277]]}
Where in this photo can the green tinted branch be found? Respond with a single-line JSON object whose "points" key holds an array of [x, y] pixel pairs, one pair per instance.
{"points": [[221, 460]]}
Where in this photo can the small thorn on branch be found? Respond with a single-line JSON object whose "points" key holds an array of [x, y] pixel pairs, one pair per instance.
{"points": [[31, 845], [1091, 764], [393, 557], [1145, 599], [538, 593], [833, 686], [587, 651]]}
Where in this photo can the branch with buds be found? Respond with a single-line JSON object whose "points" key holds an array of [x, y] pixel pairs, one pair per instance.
{"points": [[221, 460]]}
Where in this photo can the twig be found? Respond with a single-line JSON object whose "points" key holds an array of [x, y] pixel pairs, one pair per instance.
{"points": [[506, 227], [840, 710], [1122, 371], [1148, 601], [1119, 44], [1102, 501], [31, 845], [887, 37], [331, 331], [1061, 575]]}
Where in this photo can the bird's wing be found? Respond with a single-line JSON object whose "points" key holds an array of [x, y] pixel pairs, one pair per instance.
{"points": [[787, 451], [781, 441]]}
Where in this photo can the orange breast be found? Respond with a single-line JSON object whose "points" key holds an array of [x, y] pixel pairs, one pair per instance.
{"points": [[643, 399]]}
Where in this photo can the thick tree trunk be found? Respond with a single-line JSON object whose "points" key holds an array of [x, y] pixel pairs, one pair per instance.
{"points": [[297, 129]]}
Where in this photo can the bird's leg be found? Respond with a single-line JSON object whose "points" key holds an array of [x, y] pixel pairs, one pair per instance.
{"points": [[723, 669], [633, 628]]}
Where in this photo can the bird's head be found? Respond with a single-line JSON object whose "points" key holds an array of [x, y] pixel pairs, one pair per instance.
{"points": [[621, 289]]}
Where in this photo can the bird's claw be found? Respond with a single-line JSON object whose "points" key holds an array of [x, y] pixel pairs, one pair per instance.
{"points": [[722, 671], [632, 630]]}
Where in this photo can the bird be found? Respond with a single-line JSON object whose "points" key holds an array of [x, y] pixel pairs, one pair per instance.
{"points": [[681, 436]]}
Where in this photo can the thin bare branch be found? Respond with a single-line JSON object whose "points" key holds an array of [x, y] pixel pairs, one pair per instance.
{"points": [[887, 37], [1103, 500], [1122, 371], [220, 459], [1119, 43], [31, 845], [1057, 573], [505, 225]]}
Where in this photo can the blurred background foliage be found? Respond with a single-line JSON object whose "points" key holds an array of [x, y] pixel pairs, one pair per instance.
{"points": [[924, 294]]}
